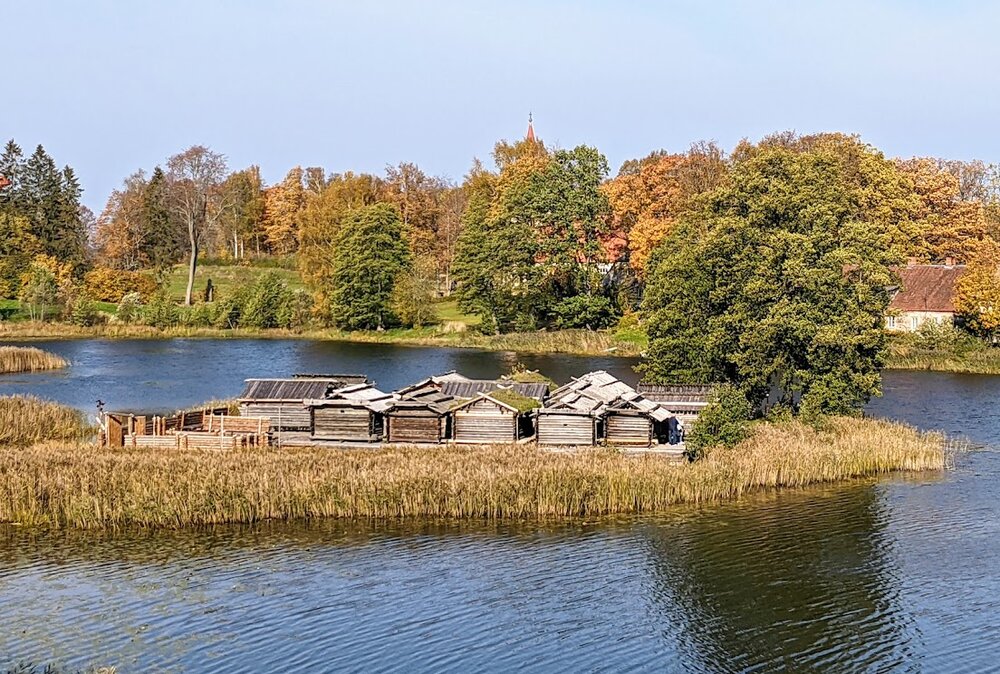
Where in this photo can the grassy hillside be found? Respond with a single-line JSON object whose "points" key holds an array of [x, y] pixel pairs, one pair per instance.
{"points": [[226, 278]]}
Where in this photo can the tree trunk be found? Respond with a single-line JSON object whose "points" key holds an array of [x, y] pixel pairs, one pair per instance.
{"points": [[192, 266]]}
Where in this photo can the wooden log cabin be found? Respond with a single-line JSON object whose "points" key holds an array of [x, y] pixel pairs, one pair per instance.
{"points": [[485, 420], [597, 407], [283, 400], [420, 414], [350, 414]]}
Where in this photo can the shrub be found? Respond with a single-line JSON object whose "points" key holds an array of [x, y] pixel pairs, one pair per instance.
{"points": [[296, 311], [200, 315], [111, 285], [584, 311], [725, 421], [263, 302], [161, 312], [83, 311], [130, 307]]}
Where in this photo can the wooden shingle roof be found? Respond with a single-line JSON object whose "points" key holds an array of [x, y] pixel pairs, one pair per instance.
{"points": [[473, 387], [597, 393], [295, 388]]}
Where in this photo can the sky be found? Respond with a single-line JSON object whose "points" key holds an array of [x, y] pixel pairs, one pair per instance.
{"points": [[111, 87]]}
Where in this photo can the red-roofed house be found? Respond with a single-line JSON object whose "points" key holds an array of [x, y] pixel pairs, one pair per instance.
{"points": [[926, 293]]}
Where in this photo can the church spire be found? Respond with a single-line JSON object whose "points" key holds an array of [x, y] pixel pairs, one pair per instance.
{"points": [[531, 130]]}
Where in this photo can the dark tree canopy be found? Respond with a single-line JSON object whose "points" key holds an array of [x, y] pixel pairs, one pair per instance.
{"points": [[779, 285]]}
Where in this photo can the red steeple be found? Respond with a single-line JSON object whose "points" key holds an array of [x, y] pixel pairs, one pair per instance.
{"points": [[531, 130]]}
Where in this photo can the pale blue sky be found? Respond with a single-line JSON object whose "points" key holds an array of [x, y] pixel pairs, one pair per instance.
{"points": [[113, 86]]}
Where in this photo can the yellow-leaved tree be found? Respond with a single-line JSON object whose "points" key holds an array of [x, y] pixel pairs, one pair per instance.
{"points": [[977, 292], [283, 206]]}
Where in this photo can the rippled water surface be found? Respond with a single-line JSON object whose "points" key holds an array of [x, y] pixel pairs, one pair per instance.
{"points": [[898, 574]]}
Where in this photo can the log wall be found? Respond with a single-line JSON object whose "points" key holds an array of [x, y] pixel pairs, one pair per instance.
{"points": [[283, 416], [484, 423], [415, 428], [566, 429], [629, 429], [343, 423]]}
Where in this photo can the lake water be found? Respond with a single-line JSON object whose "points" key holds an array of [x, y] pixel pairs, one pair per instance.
{"points": [[896, 574]]}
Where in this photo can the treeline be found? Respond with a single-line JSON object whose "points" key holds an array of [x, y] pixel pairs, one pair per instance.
{"points": [[40, 215], [543, 238]]}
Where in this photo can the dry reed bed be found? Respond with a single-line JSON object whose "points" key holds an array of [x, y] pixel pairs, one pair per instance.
{"points": [[84, 486], [26, 420], [28, 359]]}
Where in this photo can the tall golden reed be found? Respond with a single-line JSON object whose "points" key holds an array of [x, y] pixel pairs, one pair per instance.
{"points": [[26, 420], [84, 486], [28, 359]]}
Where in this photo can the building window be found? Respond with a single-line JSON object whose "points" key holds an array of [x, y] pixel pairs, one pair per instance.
{"points": [[890, 322], [914, 322]]}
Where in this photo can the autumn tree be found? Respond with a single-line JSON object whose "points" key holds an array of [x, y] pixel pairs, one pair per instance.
{"points": [[418, 198], [18, 246], [322, 218], [244, 218], [779, 282], [121, 227], [371, 253], [977, 291], [283, 205], [197, 198], [953, 226], [649, 195]]}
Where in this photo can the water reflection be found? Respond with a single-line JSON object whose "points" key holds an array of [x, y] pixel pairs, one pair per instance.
{"points": [[787, 582]]}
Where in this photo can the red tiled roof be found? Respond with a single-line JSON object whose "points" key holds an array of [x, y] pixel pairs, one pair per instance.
{"points": [[927, 287]]}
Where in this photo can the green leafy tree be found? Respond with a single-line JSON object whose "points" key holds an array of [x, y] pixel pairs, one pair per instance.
{"points": [[413, 295], [779, 284], [39, 289], [531, 235], [18, 246], [371, 253]]}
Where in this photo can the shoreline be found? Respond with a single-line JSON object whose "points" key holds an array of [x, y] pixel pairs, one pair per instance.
{"points": [[569, 342], [67, 485], [602, 343]]}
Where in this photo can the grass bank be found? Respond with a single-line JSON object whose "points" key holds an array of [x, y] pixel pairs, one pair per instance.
{"points": [[943, 349], [578, 342], [28, 359], [67, 485]]}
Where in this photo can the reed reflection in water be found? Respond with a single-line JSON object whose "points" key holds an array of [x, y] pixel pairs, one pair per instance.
{"points": [[867, 576]]}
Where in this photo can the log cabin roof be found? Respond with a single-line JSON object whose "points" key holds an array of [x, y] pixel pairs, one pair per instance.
{"points": [[296, 388], [927, 287], [473, 387], [355, 395], [676, 393], [422, 396], [598, 393], [487, 397]]}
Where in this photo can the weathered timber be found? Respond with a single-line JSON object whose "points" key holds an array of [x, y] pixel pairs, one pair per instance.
{"points": [[485, 420], [566, 428], [632, 430]]}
